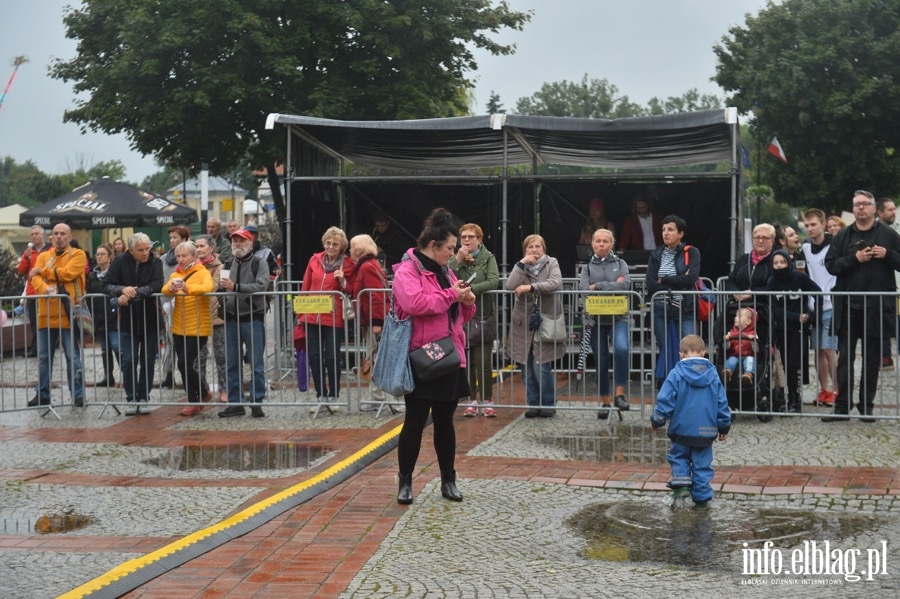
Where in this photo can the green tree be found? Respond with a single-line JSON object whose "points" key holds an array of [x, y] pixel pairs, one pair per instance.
{"points": [[822, 77], [589, 98], [494, 106], [193, 82], [690, 101], [26, 184]]}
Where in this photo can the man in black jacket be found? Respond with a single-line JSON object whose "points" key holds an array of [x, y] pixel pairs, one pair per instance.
{"points": [[863, 257], [133, 279]]}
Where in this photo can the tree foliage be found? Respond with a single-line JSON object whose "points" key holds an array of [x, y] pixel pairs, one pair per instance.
{"points": [[193, 82], [600, 99], [822, 77], [27, 185]]}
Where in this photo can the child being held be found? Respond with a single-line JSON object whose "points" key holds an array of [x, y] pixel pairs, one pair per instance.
{"points": [[740, 346], [692, 399]]}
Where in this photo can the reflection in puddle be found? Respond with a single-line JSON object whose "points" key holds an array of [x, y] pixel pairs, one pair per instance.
{"points": [[240, 457], [631, 531], [618, 443], [24, 524]]}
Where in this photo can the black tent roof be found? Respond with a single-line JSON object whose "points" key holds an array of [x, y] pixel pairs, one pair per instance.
{"points": [[477, 141], [105, 204]]}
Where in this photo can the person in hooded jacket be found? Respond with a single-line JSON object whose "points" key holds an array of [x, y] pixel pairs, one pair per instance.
{"points": [[692, 400], [328, 271], [608, 272], [791, 317]]}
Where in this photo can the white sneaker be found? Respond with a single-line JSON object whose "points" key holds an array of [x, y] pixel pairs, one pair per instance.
{"points": [[368, 406]]}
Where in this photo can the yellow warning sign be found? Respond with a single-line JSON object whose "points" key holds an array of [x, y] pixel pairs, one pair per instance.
{"points": [[606, 305], [313, 304]]}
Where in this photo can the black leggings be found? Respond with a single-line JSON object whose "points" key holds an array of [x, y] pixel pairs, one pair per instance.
{"points": [[410, 441]]}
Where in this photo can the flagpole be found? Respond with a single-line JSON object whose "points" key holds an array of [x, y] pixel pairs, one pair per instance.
{"points": [[758, 178]]}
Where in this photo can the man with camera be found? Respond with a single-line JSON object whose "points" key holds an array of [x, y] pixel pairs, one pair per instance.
{"points": [[862, 257]]}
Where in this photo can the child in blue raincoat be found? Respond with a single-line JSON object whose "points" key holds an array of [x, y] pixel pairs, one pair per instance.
{"points": [[692, 400]]}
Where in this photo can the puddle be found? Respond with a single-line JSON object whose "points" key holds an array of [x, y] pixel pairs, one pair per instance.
{"points": [[617, 443], [631, 531], [239, 457], [46, 524]]}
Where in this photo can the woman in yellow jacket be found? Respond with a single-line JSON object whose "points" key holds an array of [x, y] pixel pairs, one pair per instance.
{"points": [[191, 320]]}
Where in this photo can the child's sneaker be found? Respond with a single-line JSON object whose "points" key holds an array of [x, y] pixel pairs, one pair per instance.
{"points": [[489, 410], [471, 410], [747, 379], [701, 505], [726, 376]]}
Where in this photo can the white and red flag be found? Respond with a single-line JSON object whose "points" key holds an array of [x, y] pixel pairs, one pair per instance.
{"points": [[776, 150]]}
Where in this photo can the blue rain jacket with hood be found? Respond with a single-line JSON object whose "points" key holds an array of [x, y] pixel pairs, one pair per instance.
{"points": [[693, 401]]}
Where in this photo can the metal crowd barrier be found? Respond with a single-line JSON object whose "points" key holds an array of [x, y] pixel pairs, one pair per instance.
{"points": [[346, 358]]}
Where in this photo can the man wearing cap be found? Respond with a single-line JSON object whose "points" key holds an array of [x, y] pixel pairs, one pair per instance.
{"points": [[263, 252], [244, 310], [223, 244]]}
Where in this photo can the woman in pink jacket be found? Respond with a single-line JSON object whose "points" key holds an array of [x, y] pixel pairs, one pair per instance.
{"points": [[429, 292]]}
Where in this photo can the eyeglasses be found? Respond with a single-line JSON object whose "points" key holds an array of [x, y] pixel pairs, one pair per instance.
{"points": [[762, 238], [468, 236], [862, 204]]}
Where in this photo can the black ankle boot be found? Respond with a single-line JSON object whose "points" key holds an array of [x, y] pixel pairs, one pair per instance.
{"points": [[404, 493], [448, 486]]}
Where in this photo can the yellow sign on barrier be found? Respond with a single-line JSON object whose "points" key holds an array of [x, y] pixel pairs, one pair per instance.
{"points": [[606, 305], [313, 304]]}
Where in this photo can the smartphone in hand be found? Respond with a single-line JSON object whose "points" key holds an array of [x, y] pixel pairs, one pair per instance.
{"points": [[471, 278], [861, 245]]}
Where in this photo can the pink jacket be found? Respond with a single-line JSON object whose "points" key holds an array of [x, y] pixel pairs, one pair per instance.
{"points": [[417, 293]]}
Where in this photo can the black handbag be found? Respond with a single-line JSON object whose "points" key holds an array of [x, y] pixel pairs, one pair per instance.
{"points": [[480, 330], [434, 360]]}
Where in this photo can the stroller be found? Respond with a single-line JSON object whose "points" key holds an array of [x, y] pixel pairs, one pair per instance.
{"points": [[744, 396]]}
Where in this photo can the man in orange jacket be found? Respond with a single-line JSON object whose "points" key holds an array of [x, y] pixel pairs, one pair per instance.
{"points": [[59, 270]]}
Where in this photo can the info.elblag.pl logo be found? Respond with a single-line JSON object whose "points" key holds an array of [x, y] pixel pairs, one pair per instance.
{"points": [[813, 558]]}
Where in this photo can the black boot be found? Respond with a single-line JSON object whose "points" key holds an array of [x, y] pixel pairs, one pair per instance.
{"points": [[404, 493], [448, 486], [794, 405], [109, 379]]}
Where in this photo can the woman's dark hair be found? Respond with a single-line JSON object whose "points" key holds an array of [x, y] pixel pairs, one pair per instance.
{"points": [[680, 223], [780, 236], [438, 226]]}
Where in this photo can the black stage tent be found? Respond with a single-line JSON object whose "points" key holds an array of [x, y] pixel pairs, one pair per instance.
{"points": [[108, 204], [498, 171]]}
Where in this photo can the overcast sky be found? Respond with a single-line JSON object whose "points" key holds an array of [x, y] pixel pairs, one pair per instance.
{"points": [[646, 48]]}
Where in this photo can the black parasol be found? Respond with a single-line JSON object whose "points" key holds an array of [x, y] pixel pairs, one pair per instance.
{"points": [[105, 204]]}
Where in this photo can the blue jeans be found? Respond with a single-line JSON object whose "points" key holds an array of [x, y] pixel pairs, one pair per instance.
{"points": [[692, 466], [253, 335], [323, 348], [600, 337], [46, 348], [663, 314], [539, 392], [109, 341], [138, 361], [747, 363]]}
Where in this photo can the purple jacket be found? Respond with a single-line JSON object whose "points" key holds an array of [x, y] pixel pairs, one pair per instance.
{"points": [[417, 293]]}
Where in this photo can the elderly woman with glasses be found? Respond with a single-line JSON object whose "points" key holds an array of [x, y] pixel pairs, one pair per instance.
{"points": [[752, 270], [330, 272]]}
